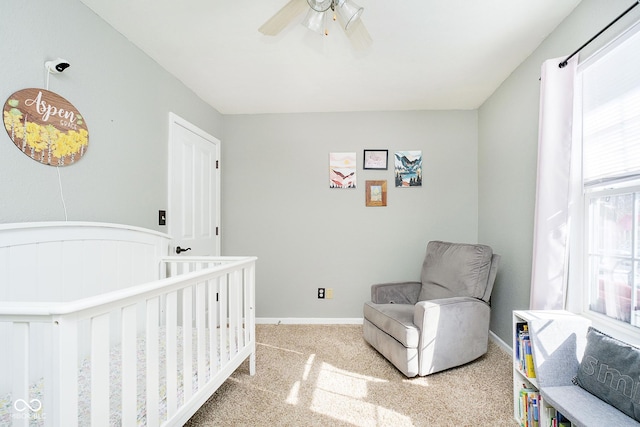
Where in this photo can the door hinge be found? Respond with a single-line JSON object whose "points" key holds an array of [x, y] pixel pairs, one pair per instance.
{"points": [[217, 164], [217, 231]]}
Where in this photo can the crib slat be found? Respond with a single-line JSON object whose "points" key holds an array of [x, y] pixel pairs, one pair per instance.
{"points": [[100, 370], [171, 352], [20, 371], [233, 313], [222, 308], [250, 325], [246, 309], [153, 369], [173, 269], [65, 378], [187, 343], [239, 341], [213, 326], [201, 332], [129, 327], [48, 369]]}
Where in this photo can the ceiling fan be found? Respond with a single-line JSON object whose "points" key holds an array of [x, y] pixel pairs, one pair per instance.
{"points": [[320, 13]]}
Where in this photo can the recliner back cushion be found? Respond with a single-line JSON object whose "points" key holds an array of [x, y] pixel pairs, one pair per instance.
{"points": [[455, 269]]}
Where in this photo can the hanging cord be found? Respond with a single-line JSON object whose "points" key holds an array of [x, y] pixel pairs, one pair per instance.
{"points": [[64, 205], [564, 63]]}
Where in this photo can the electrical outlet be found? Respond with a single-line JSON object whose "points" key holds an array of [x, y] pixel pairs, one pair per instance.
{"points": [[320, 293], [328, 293]]}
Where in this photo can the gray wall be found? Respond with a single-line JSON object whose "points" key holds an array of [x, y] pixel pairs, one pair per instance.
{"points": [[125, 98], [479, 166], [508, 144], [278, 204]]}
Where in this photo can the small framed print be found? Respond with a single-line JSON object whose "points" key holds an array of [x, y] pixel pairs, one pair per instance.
{"points": [[376, 159], [408, 168], [376, 193], [342, 170]]}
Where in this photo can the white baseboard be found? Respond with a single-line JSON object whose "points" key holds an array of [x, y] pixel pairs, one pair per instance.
{"points": [[308, 321], [503, 345]]}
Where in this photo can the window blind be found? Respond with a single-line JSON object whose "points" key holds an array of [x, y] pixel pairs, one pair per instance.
{"points": [[611, 115]]}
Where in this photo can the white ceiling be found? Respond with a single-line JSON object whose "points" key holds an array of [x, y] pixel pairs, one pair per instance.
{"points": [[426, 54]]}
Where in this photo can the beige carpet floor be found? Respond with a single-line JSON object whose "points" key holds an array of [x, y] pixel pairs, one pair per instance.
{"points": [[327, 375]]}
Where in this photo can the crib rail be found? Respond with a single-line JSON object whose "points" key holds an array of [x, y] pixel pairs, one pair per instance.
{"points": [[200, 316]]}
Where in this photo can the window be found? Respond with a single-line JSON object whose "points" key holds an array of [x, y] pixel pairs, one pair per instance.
{"points": [[608, 105], [612, 255]]}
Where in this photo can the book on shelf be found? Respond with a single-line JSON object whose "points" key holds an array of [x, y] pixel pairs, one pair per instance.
{"points": [[529, 407], [534, 411], [528, 359], [524, 355], [556, 419], [520, 326]]}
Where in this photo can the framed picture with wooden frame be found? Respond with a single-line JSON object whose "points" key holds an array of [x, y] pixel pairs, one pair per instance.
{"points": [[376, 159], [376, 193]]}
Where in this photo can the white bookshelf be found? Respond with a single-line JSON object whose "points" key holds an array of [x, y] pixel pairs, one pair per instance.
{"points": [[520, 377]]}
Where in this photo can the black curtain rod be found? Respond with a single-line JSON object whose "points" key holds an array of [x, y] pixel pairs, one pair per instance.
{"points": [[564, 63]]}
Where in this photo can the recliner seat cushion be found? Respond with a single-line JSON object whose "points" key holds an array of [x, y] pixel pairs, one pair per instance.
{"points": [[394, 319], [455, 269]]}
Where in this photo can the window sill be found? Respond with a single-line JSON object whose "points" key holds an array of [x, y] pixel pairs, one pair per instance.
{"points": [[623, 332]]}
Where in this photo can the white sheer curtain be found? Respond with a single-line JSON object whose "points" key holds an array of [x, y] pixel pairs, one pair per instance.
{"points": [[548, 275]]}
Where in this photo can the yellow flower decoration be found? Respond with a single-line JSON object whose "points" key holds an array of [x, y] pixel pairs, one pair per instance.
{"points": [[34, 137]]}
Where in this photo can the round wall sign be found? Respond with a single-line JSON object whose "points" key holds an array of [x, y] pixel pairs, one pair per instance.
{"points": [[46, 127]]}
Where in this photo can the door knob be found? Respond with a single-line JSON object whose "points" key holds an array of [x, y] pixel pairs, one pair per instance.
{"points": [[179, 249]]}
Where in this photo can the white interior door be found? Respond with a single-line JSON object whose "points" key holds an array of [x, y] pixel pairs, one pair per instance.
{"points": [[194, 189]]}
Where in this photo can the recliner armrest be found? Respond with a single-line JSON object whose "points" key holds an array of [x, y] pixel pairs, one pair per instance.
{"points": [[395, 293], [427, 314]]}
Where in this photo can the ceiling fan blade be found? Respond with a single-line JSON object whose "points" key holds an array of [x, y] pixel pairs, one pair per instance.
{"points": [[359, 36], [283, 17]]}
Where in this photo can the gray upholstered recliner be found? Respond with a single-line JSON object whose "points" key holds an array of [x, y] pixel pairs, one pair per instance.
{"points": [[443, 320]]}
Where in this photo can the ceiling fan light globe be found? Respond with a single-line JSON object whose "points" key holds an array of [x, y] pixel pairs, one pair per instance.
{"points": [[320, 5], [348, 13], [315, 21]]}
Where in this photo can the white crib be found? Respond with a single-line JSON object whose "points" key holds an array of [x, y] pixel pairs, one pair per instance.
{"points": [[98, 326]]}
